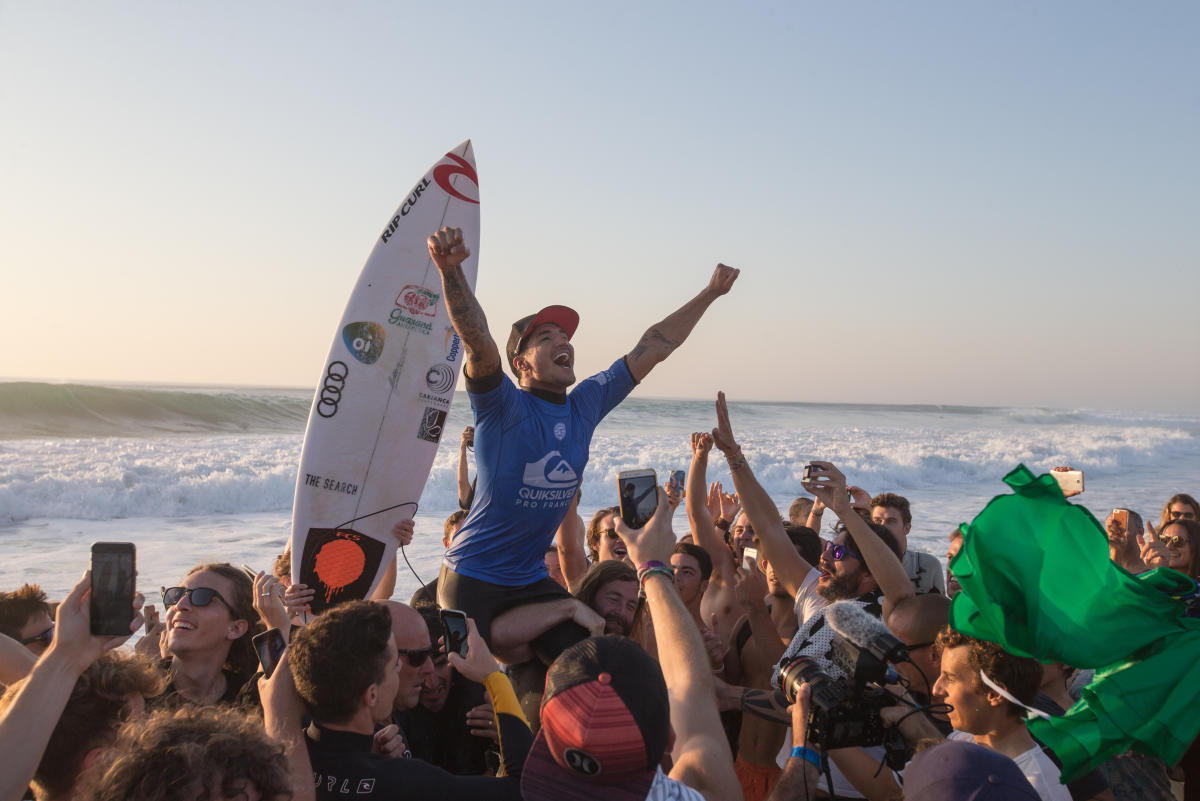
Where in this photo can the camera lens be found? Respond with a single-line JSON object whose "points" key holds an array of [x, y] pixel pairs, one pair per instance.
{"points": [[797, 671]]}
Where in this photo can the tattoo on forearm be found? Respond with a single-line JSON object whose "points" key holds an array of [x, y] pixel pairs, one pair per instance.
{"points": [[767, 704], [656, 339], [465, 312]]}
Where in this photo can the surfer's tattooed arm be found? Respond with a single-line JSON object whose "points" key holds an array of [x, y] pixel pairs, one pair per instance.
{"points": [[661, 339], [448, 252], [769, 705]]}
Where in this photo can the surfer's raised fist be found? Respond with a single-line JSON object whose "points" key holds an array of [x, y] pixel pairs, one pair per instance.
{"points": [[446, 248], [722, 279]]}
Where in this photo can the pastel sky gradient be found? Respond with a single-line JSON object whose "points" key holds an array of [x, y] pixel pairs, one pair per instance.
{"points": [[931, 202]]}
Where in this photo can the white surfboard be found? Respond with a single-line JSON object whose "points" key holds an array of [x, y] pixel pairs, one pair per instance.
{"points": [[383, 393]]}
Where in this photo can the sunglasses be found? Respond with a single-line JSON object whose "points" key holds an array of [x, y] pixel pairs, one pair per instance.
{"points": [[46, 637], [611, 533], [1182, 515], [1173, 542], [197, 596], [840, 552], [417, 656]]}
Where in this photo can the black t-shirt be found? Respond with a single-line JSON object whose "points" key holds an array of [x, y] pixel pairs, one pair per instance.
{"points": [[442, 738]]}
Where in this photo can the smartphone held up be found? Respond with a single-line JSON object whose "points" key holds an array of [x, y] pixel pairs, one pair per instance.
{"points": [[639, 498], [113, 574]]}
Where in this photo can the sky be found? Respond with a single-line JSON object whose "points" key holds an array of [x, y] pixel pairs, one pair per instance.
{"points": [[961, 203]]}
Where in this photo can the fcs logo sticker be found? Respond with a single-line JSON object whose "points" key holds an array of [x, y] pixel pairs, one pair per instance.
{"points": [[364, 341], [443, 173]]}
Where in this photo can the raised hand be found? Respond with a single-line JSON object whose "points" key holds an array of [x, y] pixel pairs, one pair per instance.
{"points": [[73, 638], [713, 502], [730, 506], [479, 662], [403, 532], [653, 541], [723, 434], [722, 279], [1153, 551], [447, 250], [268, 602], [298, 598], [701, 442], [828, 485], [750, 588]]}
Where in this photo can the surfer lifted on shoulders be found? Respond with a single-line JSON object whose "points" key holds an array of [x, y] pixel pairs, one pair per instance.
{"points": [[531, 445]]}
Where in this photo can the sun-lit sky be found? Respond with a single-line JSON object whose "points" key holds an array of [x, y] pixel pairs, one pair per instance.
{"points": [[976, 203]]}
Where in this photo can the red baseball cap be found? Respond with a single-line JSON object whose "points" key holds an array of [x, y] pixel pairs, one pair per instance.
{"points": [[564, 317]]}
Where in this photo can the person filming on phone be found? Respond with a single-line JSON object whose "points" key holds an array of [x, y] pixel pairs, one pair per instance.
{"points": [[531, 441]]}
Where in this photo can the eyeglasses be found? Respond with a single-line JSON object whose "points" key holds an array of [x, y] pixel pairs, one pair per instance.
{"points": [[46, 637], [417, 656], [197, 596], [840, 552], [1173, 542]]}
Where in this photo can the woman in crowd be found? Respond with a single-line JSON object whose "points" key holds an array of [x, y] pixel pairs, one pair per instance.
{"points": [[1181, 506]]}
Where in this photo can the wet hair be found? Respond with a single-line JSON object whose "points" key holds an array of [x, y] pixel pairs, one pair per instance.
{"points": [[18, 606], [1191, 530], [593, 531], [192, 754], [798, 511], [697, 553], [1179, 497], [338, 656], [452, 522], [896, 502], [242, 657], [98, 706], [1019, 675]]}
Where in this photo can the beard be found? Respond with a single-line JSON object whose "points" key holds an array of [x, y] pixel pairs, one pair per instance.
{"points": [[839, 588], [613, 624]]}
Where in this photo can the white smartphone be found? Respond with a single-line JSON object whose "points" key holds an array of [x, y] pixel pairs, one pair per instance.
{"points": [[750, 558], [1069, 480]]}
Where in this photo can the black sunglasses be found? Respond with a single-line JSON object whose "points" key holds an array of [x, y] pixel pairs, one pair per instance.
{"points": [[197, 596], [611, 533], [417, 656], [46, 636]]}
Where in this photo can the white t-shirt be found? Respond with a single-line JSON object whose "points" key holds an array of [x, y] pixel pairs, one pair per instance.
{"points": [[807, 599], [665, 788], [1038, 768], [925, 572]]}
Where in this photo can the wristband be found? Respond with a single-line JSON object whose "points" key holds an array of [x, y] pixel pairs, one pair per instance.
{"points": [[721, 523], [736, 463], [665, 572], [652, 563], [801, 752]]}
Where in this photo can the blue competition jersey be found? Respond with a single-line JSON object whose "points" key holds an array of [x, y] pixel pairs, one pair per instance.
{"points": [[530, 454]]}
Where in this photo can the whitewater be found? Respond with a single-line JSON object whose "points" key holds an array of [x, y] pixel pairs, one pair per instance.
{"points": [[208, 474]]}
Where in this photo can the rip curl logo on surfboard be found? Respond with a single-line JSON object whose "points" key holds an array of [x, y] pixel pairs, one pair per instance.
{"points": [[339, 564], [444, 175]]}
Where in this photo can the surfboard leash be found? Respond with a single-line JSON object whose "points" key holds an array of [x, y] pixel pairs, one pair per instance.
{"points": [[403, 552]]}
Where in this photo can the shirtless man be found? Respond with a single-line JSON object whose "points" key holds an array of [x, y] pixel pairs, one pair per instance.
{"points": [[531, 441]]}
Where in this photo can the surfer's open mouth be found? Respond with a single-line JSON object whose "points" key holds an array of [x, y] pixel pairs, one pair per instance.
{"points": [[563, 358]]}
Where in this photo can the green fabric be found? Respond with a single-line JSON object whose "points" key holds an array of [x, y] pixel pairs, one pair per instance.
{"points": [[1037, 580]]}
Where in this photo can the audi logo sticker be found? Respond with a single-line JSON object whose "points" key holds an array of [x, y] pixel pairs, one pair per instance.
{"points": [[331, 389]]}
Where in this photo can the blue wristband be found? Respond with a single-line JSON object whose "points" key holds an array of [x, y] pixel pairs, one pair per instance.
{"points": [[807, 753]]}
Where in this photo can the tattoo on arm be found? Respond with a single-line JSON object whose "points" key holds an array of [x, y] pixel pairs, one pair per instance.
{"points": [[465, 312], [769, 705], [656, 339]]}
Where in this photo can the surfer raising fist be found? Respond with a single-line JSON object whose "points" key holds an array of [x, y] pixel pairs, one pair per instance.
{"points": [[531, 447]]}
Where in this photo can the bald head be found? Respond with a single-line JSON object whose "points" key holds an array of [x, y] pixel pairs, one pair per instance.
{"points": [[920, 618], [405, 619]]}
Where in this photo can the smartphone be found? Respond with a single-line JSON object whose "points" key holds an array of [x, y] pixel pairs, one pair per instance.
{"points": [[1122, 515], [455, 624], [1069, 480], [636, 489], [113, 572], [750, 558], [809, 470], [677, 479], [269, 646]]}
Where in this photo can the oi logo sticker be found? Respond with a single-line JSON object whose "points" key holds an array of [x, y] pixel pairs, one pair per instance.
{"points": [[364, 341]]}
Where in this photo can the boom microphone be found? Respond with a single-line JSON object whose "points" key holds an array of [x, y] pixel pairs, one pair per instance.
{"points": [[868, 633]]}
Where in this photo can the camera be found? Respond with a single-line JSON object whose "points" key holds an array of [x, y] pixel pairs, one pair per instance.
{"points": [[810, 471], [845, 712]]}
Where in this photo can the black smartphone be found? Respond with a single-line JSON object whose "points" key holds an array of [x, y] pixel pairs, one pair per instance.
{"points": [[636, 489], [455, 624], [113, 572], [269, 646]]}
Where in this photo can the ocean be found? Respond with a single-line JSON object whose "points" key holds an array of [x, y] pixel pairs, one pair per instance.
{"points": [[207, 474]]}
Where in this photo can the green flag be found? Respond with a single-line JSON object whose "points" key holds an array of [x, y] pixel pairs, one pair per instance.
{"points": [[1037, 580]]}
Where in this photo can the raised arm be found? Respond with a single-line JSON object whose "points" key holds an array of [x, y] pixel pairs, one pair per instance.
{"points": [[790, 568], [699, 518], [880, 560], [572, 553], [466, 492], [661, 339], [448, 252], [703, 760]]}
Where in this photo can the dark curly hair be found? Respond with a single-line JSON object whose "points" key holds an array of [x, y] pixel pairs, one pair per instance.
{"points": [[338, 656], [1019, 675], [192, 754]]}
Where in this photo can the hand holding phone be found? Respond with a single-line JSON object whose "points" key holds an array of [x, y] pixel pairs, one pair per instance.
{"points": [[455, 624], [637, 490], [269, 646], [750, 558]]}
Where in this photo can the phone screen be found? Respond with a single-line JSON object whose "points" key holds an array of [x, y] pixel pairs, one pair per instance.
{"points": [[269, 645], [678, 477], [112, 587], [638, 496], [455, 623]]}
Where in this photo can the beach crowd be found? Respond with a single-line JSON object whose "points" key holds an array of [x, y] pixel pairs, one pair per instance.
{"points": [[748, 657]]}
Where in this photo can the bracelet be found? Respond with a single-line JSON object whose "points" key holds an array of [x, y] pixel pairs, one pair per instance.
{"points": [[665, 572], [801, 752], [737, 463], [721, 523], [652, 563]]}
